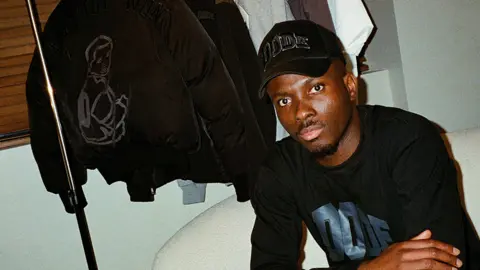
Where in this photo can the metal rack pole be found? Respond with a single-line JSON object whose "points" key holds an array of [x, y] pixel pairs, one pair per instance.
{"points": [[79, 212]]}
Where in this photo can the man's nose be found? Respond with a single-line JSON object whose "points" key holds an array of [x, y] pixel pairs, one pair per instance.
{"points": [[304, 111]]}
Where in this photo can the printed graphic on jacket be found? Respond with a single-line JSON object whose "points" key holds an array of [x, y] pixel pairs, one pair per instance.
{"points": [[101, 114], [347, 231]]}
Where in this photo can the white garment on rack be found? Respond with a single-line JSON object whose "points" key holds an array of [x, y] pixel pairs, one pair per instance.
{"points": [[192, 192], [352, 26], [262, 15]]}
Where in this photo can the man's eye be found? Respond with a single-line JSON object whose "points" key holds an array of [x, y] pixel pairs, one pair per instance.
{"points": [[317, 88], [283, 102]]}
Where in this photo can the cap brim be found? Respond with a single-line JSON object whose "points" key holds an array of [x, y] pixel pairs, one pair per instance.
{"points": [[312, 67]]}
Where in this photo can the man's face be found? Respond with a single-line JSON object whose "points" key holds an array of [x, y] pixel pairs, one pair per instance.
{"points": [[315, 111]]}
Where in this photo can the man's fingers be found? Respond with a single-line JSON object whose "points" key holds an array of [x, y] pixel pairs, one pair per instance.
{"points": [[430, 243], [423, 235], [426, 264], [433, 254]]}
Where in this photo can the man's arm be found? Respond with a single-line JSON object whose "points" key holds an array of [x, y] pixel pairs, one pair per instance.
{"points": [[426, 181], [426, 184], [277, 233]]}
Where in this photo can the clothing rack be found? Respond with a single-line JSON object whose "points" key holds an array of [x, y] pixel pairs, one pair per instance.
{"points": [[79, 212]]}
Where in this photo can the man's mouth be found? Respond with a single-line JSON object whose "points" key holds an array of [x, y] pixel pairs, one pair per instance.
{"points": [[310, 133]]}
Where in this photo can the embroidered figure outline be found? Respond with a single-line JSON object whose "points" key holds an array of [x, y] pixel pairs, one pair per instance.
{"points": [[101, 114]]}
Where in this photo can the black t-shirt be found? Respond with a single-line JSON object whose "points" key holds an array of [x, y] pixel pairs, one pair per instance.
{"points": [[399, 182]]}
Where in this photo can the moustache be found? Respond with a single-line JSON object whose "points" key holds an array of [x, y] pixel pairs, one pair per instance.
{"points": [[309, 124]]}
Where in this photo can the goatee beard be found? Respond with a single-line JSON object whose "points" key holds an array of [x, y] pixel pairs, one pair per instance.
{"points": [[326, 150]]}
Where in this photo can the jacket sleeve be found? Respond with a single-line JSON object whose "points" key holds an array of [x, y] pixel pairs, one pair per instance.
{"points": [[426, 182], [211, 87], [277, 233], [44, 140]]}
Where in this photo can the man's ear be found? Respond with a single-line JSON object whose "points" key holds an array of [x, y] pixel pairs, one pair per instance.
{"points": [[351, 84]]}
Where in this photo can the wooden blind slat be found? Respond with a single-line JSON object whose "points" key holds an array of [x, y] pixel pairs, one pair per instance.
{"points": [[13, 12], [12, 110], [20, 21], [18, 3], [17, 41], [21, 124], [14, 122], [13, 70], [13, 100], [12, 90], [15, 60], [11, 143], [20, 50], [16, 32], [13, 80]]}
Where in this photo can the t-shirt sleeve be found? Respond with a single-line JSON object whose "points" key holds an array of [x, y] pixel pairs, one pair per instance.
{"points": [[277, 233], [426, 182]]}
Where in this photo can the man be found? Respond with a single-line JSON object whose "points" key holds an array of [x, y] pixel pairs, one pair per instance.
{"points": [[374, 185]]}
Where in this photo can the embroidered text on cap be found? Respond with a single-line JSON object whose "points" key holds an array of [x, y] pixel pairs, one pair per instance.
{"points": [[282, 43]]}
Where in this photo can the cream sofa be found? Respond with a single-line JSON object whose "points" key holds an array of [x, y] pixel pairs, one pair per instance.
{"points": [[219, 238]]}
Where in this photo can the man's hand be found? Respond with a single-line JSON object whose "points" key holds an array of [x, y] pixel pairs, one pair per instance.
{"points": [[420, 252]]}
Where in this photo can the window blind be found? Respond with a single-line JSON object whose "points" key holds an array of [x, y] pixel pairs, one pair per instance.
{"points": [[16, 47]]}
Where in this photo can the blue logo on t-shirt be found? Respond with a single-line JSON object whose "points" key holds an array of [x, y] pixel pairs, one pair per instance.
{"points": [[348, 231]]}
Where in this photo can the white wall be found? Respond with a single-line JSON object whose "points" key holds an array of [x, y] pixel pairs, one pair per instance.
{"points": [[383, 53], [440, 51], [36, 233], [379, 90]]}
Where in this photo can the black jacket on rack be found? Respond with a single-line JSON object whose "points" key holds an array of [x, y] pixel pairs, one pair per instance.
{"points": [[239, 55], [143, 96], [225, 26]]}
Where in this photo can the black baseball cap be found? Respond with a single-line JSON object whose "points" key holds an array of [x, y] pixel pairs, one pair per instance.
{"points": [[297, 47]]}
